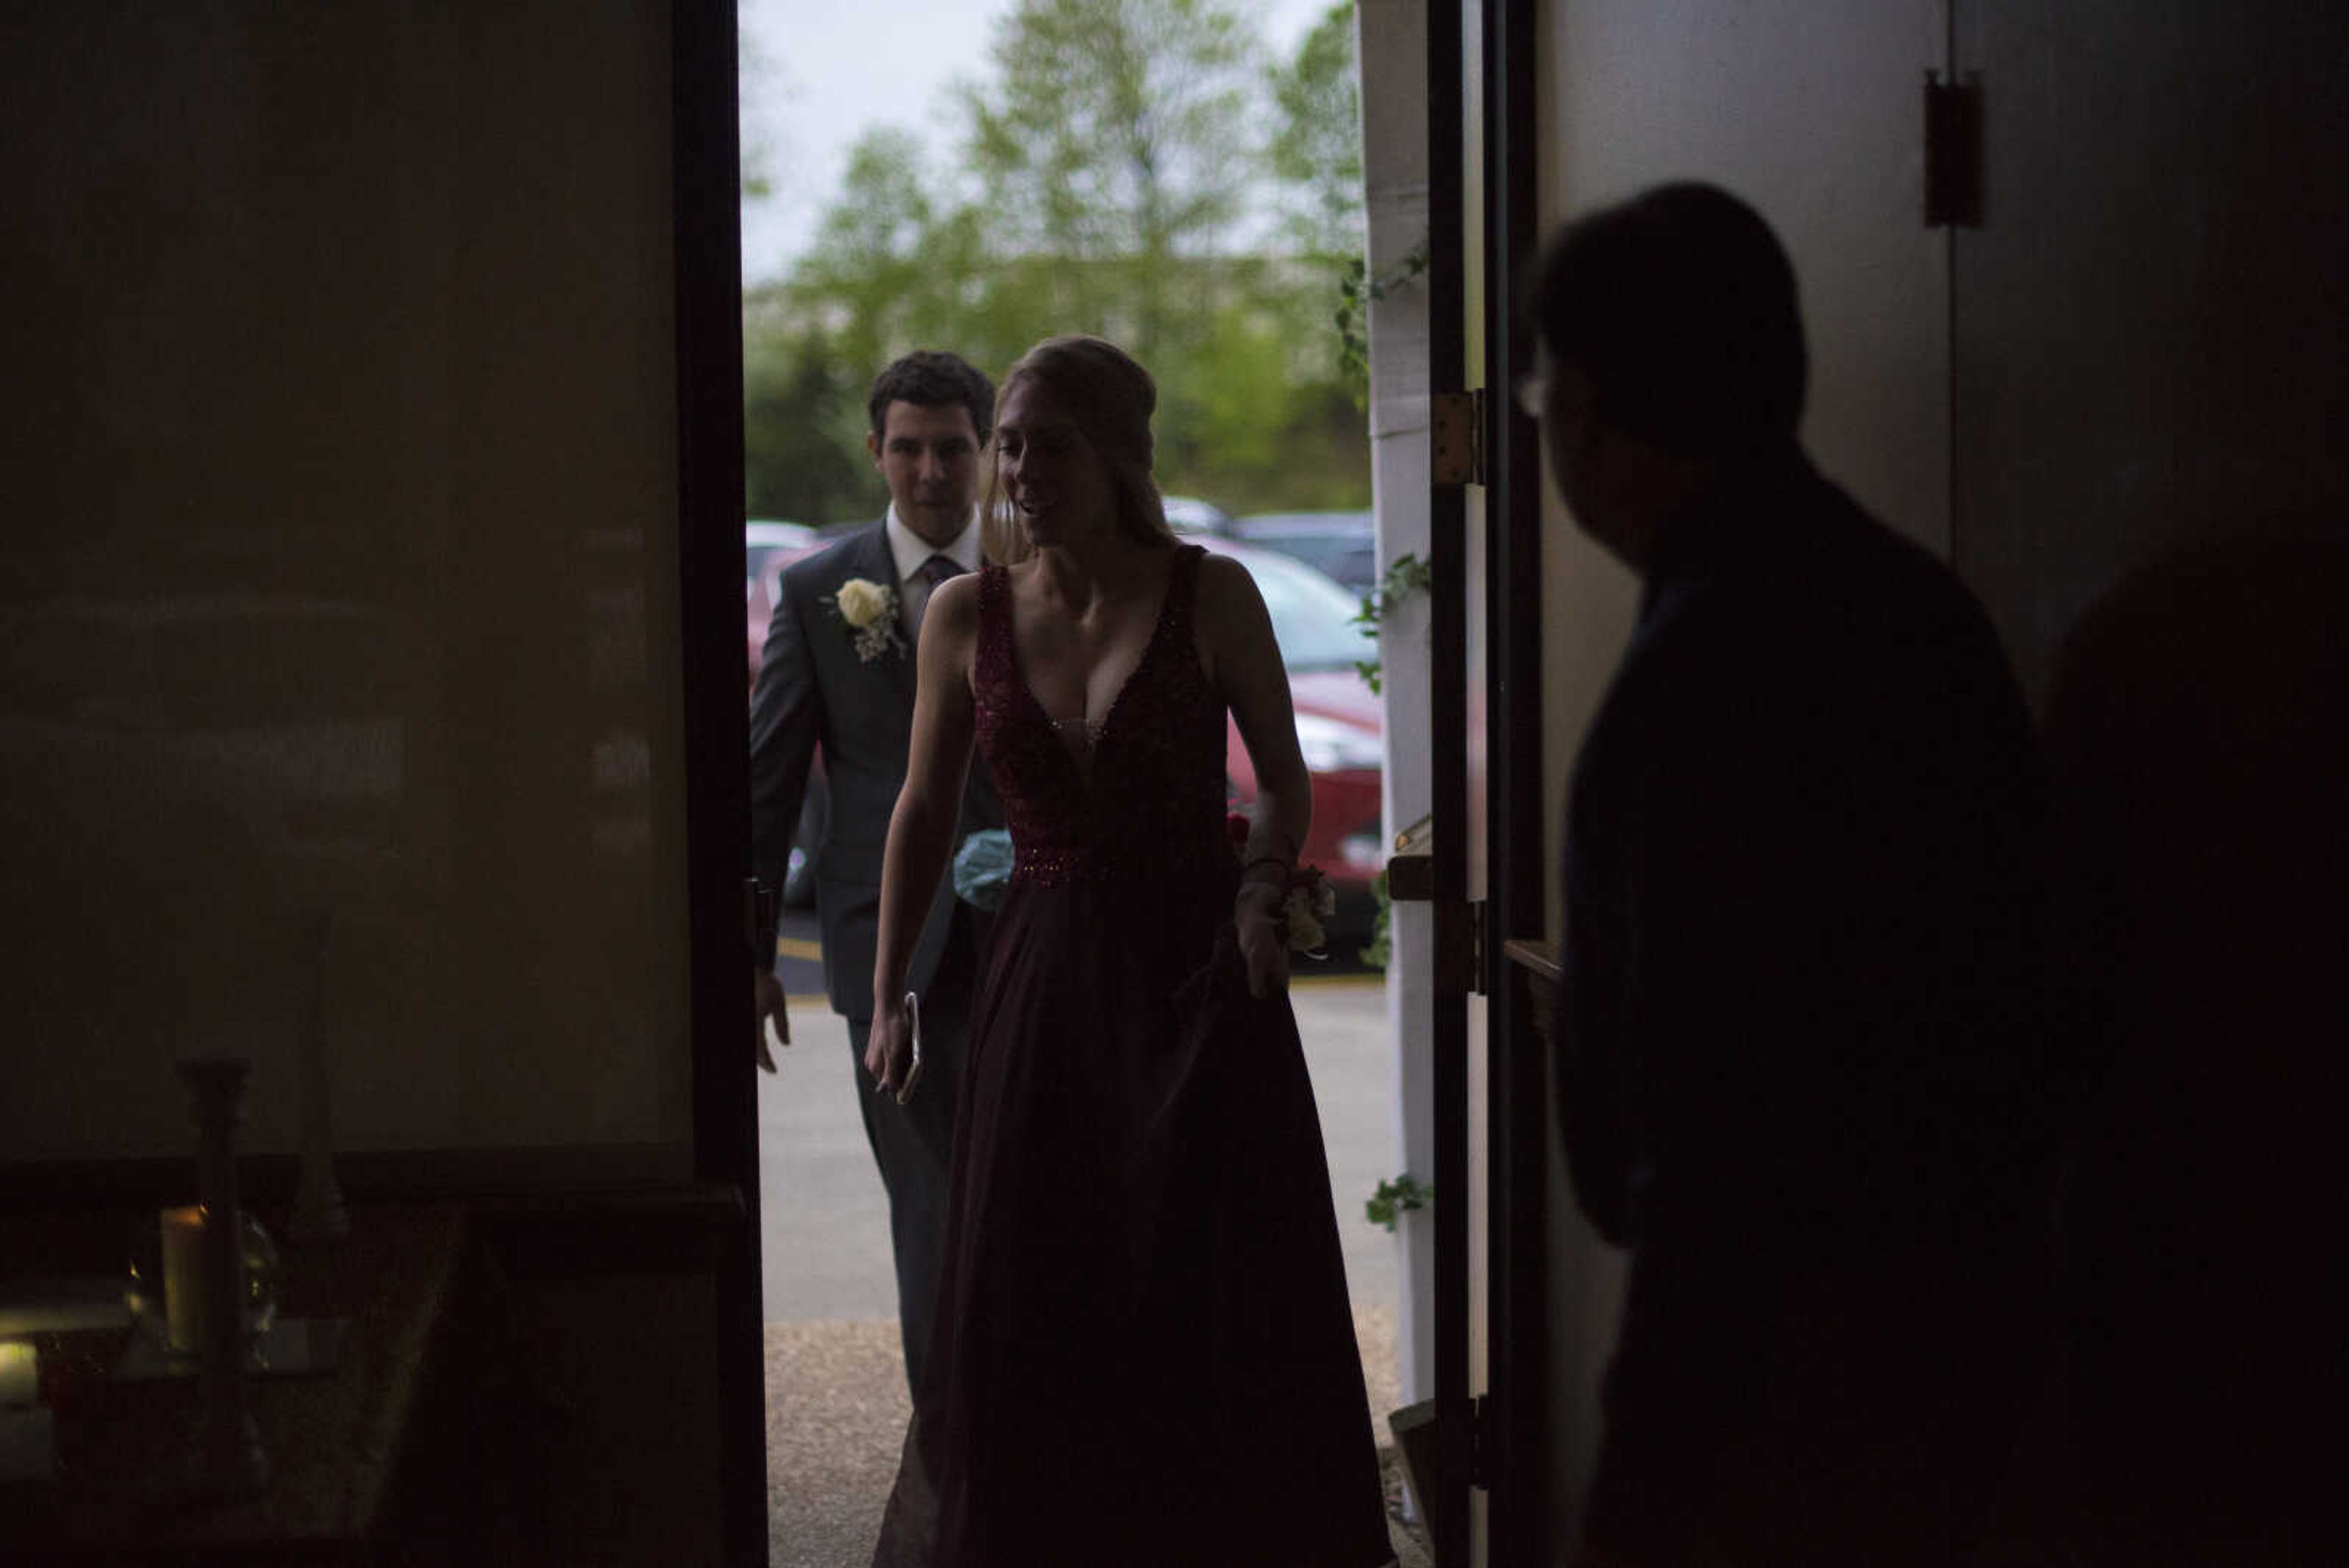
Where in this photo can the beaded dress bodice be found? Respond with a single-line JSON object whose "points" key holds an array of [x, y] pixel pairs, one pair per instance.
{"points": [[1155, 791]]}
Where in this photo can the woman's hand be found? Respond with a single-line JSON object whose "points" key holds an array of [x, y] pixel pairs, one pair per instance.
{"points": [[1264, 943], [889, 1051]]}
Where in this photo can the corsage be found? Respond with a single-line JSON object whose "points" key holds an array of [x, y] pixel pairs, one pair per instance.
{"points": [[1307, 898]]}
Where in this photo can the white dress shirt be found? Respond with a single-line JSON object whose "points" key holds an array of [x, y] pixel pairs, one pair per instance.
{"points": [[912, 552]]}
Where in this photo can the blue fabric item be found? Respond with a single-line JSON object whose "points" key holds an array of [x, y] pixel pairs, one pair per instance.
{"points": [[982, 868]]}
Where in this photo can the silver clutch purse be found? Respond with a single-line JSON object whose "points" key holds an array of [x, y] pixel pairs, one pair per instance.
{"points": [[914, 1029]]}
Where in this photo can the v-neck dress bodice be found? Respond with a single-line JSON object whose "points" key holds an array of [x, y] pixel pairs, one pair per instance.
{"points": [[1154, 789], [1145, 1353]]}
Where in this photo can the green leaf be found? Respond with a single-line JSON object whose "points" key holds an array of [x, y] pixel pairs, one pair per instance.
{"points": [[1395, 1198]]}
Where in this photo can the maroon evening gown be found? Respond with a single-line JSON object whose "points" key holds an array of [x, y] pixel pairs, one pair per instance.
{"points": [[1143, 1353]]}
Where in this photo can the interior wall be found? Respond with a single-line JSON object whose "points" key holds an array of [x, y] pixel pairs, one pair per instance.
{"points": [[338, 679], [1813, 112], [2150, 339]]}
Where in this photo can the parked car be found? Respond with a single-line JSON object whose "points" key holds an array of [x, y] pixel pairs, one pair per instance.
{"points": [[1188, 515], [766, 533], [1339, 721], [767, 549], [1342, 546]]}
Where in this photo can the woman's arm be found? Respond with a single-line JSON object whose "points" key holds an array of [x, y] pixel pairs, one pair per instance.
{"points": [[922, 827], [1243, 662]]}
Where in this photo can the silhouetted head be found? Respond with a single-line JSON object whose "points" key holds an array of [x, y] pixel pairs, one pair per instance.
{"points": [[1073, 449], [1679, 306], [1671, 344], [930, 414]]}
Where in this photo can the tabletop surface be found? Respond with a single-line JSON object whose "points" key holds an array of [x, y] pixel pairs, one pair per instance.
{"points": [[331, 1439]]}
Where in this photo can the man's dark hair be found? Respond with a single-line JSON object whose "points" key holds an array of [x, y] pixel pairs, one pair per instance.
{"points": [[1680, 306], [934, 380]]}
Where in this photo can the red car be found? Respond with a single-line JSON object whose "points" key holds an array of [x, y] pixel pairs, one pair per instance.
{"points": [[767, 549], [1339, 719]]}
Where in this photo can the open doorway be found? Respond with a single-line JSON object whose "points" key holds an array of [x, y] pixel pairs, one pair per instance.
{"points": [[973, 178]]}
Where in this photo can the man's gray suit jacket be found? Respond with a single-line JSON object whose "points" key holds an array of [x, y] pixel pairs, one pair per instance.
{"points": [[814, 690]]}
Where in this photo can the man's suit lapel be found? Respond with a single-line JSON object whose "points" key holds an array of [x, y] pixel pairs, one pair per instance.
{"points": [[872, 559]]}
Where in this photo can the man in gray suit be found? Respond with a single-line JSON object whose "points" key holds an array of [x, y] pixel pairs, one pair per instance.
{"points": [[838, 673]]}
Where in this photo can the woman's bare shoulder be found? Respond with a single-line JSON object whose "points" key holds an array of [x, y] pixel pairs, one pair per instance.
{"points": [[952, 616], [1225, 593], [956, 596]]}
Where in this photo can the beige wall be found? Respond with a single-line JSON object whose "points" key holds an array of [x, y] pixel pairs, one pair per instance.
{"points": [[1812, 112], [341, 572], [2150, 340]]}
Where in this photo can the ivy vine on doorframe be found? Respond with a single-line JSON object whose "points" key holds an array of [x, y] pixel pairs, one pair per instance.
{"points": [[1357, 292], [1406, 575]]}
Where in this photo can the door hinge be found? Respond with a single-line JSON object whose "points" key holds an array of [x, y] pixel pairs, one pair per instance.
{"points": [[1459, 947], [1953, 152], [1456, 420]]}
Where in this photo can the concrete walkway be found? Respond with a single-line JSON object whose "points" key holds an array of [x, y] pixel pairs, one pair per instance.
{"points": [[837, 1403], [837, 1415]]}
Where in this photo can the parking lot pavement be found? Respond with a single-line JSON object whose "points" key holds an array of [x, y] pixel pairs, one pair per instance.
{"points": [[824, 1219]]}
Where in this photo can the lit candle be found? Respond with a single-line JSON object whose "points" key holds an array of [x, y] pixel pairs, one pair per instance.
{"points": [[20, 1377], [183, 1276]]}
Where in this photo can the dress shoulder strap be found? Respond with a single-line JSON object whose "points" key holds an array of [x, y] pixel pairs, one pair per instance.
{"points": [[994, 620]]}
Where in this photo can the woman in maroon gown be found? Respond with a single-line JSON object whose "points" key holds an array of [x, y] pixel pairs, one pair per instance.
{"points": [[1144, 1355]]}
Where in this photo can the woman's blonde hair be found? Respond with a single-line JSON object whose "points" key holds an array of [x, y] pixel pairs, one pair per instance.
{"points": [[1111, 397]]}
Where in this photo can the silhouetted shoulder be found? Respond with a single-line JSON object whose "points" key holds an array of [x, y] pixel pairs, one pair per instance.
{"points": [[1228, 608], [1222, 579]]}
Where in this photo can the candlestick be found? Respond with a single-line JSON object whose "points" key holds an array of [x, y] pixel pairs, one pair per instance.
{"points": [[226, 1459]]}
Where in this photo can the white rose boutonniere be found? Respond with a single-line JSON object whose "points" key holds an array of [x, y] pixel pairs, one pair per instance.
{"points": [[869, 610]]}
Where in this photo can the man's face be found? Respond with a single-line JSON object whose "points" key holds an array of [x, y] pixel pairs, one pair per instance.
{"points": [[1621, 489], [1565, 427], [929, 456], [1579, 454]]}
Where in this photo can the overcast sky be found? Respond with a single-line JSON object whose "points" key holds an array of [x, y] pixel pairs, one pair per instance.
{"points": [[826, 70]]}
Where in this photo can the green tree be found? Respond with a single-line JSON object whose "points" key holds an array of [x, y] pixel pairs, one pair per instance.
{"points": [[803, 422], [1116, 134], [759, 78], [1317, 140], [1114, 177]]}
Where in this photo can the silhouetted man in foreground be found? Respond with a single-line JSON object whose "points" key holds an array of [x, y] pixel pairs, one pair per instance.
{"points": [[1803, 1075]]}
